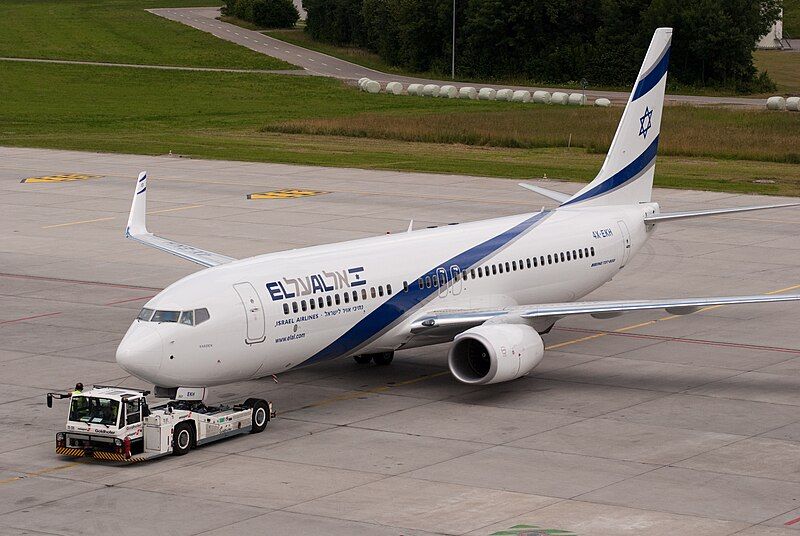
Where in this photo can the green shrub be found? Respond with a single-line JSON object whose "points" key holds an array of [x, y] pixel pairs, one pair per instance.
{"points": [[264, 13]]}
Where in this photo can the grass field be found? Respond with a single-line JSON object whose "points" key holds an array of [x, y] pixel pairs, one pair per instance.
{"points": [[228, 115], [119, 31], [783, 68]]}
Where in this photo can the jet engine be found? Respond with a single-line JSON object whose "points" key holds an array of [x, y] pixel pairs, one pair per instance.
{"points": [[495, 353]]}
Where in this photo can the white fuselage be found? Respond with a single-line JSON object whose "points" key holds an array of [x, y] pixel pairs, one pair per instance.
{"points": [[262, 320]]}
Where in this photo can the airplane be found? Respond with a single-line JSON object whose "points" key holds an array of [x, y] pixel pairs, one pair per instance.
{"points": [[492, 287]]}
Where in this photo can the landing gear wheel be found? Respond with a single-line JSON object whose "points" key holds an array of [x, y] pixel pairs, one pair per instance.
{"points": [[182, 439], [362, 359], [383, 359], [260, 416]]}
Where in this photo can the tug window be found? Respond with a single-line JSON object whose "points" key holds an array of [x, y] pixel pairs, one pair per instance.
{"points": [[286, 308]]}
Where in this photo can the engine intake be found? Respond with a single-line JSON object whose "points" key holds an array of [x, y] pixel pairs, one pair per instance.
{"points": [[495, 353]]}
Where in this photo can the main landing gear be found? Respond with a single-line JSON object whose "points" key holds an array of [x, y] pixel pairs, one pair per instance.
{"points": [[381, 359]]}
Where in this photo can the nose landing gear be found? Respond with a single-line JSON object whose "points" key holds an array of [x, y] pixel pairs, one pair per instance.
{"points": [[380, 359]]}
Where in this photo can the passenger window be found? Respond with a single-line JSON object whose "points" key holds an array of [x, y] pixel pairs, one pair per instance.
{"points": [[380, 290], [549, 259], [363, 294], [294, 307], [166, 316], [508, 268], [311, 304], [346, 297], [428, 282], [568, 257], [534, 262], [435, 281], [355, 295], [480, 271], [405, 286], [303, 305], [338, 299], [541, 260], [286, 308], [500, 267], [562, 256], [514, 265], [574, 254], [592, 250], [494, 270], [580, 253], [586, 252], [372, 292], [421, 284], [388, 290], [200, 316], [329, 300], [472, 273], [321, 302], [145, 314], [187, 317]]}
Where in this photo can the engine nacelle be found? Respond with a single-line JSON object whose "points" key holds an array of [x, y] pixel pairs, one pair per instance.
{"points": [[495, 353]]}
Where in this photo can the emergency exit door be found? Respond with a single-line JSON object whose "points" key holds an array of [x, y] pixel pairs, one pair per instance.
{"points": [[253, 310]]}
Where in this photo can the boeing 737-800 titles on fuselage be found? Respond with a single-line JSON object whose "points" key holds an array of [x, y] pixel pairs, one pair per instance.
{"points": [[494, 286]]}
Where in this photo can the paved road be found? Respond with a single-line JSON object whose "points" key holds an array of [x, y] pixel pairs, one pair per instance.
{"points": [[323, 65], [655, 426]]}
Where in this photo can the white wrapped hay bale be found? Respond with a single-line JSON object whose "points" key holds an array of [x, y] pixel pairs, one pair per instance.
{"points": [[577, 99], [504, 94], [430, 90], [372, 87], [487, 93], [448, 92], [468, 93], [415, 89], [793, 104], [559, 98], [521, 95], [541, 97], [394, 88], [602, 102], [361, 82], [776, 103]]}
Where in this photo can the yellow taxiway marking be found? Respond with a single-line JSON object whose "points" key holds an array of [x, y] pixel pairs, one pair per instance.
{"points": [[650, 322], [113, 217], [285, 193], [66, 177], [39, 472]]}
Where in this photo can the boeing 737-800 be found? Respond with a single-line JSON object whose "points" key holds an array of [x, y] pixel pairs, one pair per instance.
{"points": [[492, 287]]}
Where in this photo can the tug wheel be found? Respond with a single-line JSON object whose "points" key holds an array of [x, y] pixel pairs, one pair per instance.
{"points": [[182, 439], [260, 416]]}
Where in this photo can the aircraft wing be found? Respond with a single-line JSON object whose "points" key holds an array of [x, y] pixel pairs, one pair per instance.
{"points": [[455, 321], [137, 230]]}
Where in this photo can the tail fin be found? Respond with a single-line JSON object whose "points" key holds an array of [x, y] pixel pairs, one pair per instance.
{"points": [[627, 173]]}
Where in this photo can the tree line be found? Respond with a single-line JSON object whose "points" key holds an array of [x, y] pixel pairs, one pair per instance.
{"points": [[557, 41]]}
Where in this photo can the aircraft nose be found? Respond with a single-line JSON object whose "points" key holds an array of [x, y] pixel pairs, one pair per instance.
{"points": [[140, 351]]}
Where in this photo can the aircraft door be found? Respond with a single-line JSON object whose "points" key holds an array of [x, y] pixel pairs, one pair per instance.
{"points": [[626, 242], [254, 311]]}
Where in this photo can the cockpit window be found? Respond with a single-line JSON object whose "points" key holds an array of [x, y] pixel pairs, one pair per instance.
{"points": [[187, 317], [166, 316], [201, 315]]}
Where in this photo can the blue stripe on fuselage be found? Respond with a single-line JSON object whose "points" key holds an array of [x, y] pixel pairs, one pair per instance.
{"points": [[402, 303]]}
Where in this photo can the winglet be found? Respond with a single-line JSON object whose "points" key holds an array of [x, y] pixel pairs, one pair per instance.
{"points": [[137, 225]]}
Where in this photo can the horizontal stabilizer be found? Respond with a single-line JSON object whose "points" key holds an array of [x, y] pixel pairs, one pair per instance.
{"points": [[137, 230], [670, 216], [552, 194]]}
